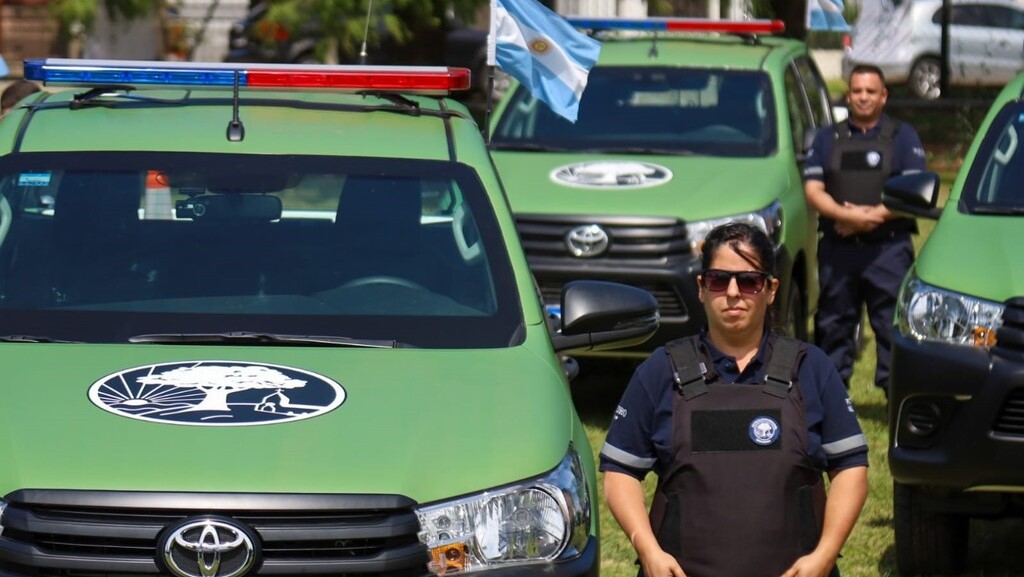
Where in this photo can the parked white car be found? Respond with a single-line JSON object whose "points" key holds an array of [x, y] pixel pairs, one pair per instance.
{"points": [[986, 43]]}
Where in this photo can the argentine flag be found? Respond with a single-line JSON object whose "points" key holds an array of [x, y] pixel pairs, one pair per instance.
{"points": [[546, 54], [826, 15]]}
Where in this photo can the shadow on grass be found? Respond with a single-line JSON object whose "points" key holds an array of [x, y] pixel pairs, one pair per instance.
{"points": [[598, 388]]}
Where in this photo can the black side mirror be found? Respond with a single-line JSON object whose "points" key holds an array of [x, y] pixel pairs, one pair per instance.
{"points": [[599, 315], [916, 194]]}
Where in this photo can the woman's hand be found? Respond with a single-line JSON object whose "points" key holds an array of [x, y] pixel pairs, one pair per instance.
{"points": [[658, 563], [812, 565]]}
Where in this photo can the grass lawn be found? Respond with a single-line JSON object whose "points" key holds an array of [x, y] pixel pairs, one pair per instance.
{"points": [[995, 547]]}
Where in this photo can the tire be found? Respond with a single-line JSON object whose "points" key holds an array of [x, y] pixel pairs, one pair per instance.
{"points": [[925, 79], [927, 542]]}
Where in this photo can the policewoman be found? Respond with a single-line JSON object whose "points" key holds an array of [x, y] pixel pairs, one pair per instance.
{"points": [[739, 424], [864, 250]]}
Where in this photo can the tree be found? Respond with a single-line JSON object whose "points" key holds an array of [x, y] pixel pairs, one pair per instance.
{"points": [[217, 382], [792, 12], [343, 23], [76, 17]]}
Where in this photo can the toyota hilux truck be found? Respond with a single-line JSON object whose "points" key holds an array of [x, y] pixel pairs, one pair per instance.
{"points": [[956, 388], [276, 320]]}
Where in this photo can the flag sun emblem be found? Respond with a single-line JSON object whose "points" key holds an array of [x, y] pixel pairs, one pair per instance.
{"points": [[539, 45]]}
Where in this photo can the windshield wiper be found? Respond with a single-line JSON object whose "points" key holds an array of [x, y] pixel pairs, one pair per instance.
{"points": [[247, 337], [998, 210], [527, 147], [31, 339], [640, 150]]}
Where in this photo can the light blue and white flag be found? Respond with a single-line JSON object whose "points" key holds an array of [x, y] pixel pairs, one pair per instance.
{"points": [[543, 52], [826, 15]]}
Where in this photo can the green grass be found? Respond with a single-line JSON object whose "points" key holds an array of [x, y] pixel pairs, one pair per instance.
{"points": [[995, 546]]}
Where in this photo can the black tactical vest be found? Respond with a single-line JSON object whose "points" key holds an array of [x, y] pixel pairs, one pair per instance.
{"points": [[741, 498]]}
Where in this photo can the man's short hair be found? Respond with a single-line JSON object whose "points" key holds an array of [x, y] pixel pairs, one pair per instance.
{"points": [[868, 69]]}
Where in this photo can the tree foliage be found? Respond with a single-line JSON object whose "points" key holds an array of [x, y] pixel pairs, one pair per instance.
{"points": [[82, 13], [344, 22]]}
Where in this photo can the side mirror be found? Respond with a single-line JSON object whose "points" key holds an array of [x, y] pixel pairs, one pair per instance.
{"points": [[599, 316], [915, 194]]}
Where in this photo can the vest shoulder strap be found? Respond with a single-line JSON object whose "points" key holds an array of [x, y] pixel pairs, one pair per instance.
{"points": [[841, 131], [689, 370], [783, 364]]}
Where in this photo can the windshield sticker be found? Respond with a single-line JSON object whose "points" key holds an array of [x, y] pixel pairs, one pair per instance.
{"points": [[216, 393], [611, 174], [34, 179]]}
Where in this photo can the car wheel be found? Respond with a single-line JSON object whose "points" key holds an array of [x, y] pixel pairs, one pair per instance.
{"points": [[925, 79], [796, 315], [927, 542]]}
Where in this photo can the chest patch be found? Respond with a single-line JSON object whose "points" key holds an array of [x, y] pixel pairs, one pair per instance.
{"points": [[735, 430]]}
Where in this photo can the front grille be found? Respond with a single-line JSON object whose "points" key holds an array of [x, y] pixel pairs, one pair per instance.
{"points": [[1010, 420], [94, 534], [646, 240], [670, 303]]}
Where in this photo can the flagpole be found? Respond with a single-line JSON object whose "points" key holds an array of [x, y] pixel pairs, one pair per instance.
{"points": [[491, 61]]}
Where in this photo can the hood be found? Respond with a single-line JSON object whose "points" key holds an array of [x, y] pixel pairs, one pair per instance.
{"points": [[978, 255], [687, 187], [427, 424]]}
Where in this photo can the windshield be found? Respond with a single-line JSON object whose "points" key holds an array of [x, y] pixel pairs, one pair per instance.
{"points": [[651, 110], [995, 183], [103, 247]]}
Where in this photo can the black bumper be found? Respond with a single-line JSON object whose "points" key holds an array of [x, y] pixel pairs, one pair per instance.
{"points": [[956, 420]]}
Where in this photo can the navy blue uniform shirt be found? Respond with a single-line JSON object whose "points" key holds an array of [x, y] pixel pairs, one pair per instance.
{"points": [[640, 436], [908, 152]]}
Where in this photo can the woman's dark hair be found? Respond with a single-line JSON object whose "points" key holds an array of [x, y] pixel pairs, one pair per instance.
{"points": [[746, 240]]}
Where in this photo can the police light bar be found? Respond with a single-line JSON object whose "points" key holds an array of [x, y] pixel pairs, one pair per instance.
{"points": [[681, 25], [417, 79]]}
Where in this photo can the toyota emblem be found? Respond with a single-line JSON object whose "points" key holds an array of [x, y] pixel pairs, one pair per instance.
{"points": [[208, 547], [587, 241]]}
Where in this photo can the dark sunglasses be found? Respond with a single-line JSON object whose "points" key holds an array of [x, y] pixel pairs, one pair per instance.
{"points": [[749, 282]]}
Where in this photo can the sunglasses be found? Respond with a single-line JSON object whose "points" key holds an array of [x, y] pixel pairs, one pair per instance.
{"points": [[749, 282]]}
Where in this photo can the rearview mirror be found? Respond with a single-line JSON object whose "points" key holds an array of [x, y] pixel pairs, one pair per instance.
{"points": [[916, 194], [220, 208], [600, 315]]}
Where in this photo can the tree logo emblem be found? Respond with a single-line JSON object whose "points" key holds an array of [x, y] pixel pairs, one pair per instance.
{"points": [[216, 393]]}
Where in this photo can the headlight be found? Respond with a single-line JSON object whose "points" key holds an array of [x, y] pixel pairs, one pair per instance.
{"points": [[928, 313], [531, 522], [768, 219], [3, 505]]}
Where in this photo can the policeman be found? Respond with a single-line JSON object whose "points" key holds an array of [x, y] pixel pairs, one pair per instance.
{"points": [[864, 250], [739, 424]]}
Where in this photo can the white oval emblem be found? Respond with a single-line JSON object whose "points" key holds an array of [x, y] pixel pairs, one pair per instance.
{"points": [[216, 393], [611, 174], [874, 158], [764, 431]]}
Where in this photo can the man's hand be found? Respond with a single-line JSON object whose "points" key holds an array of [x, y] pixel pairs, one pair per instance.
{"points": [[660, 564], [858, 219]]}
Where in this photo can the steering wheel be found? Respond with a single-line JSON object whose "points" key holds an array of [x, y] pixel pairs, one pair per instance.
{"points": [[383, 279]]}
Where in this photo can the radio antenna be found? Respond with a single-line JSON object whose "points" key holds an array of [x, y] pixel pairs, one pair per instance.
{"points": [[366, 32]]}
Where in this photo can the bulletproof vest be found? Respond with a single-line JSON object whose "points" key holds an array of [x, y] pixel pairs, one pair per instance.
{"points": [[741, 497], [859, 166]]}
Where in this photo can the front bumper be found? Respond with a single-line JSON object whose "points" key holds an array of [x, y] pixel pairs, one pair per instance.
{"points": [[956, 421]]}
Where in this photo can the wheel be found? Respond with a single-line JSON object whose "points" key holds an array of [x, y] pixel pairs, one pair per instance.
{"points": [[925, 79], [796, 315], [383, 279], [927, 542]]}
